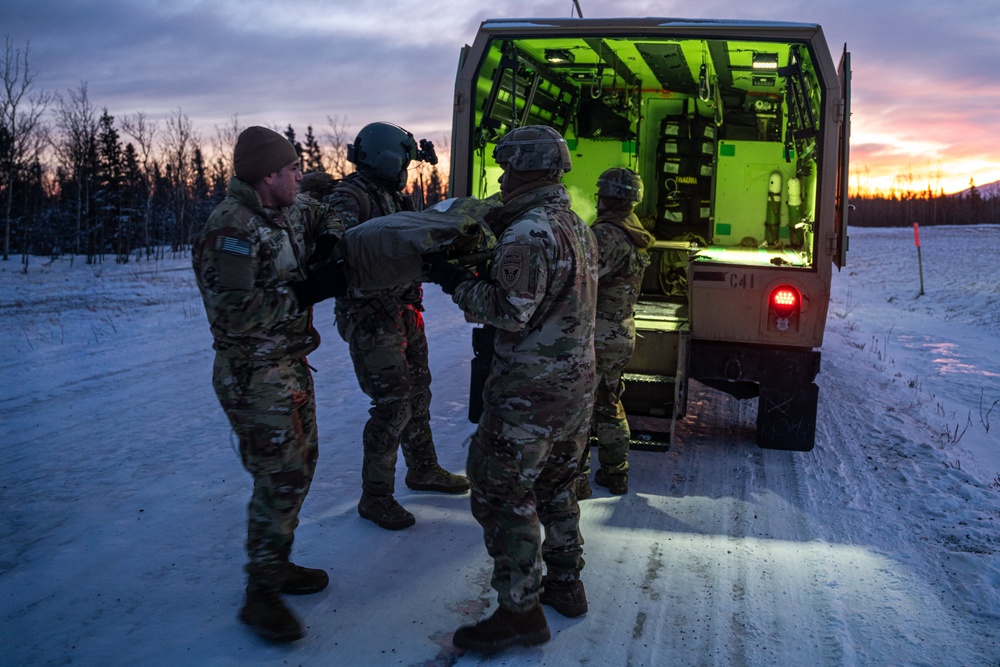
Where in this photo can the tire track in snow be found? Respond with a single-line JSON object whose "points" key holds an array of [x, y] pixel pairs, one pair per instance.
{"points": [[884, 565]]}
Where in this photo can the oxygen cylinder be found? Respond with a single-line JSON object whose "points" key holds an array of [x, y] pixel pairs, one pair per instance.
{"points": [[794, 212], [772, 221]]}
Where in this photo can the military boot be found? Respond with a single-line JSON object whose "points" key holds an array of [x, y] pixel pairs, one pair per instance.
{"points": [[267, 615], [615, 482], [303, 580], [436, 478], [582, 487], [567, 597], [385, 512], [504, 628]]}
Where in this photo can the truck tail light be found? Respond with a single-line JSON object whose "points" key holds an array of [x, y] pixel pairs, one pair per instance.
{"points": [[785, 302]]}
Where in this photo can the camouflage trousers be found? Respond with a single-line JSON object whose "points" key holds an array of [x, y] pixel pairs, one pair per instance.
{"points": [[520, 484], [609, 423], [389, 352], [272, 407]]}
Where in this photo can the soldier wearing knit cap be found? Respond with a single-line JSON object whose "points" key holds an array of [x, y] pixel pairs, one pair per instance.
{"points": [[258, 292], [260, 152]]}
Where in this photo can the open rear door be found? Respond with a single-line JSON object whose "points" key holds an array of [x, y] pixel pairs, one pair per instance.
{"points": [[457, 107], [843, 162]]}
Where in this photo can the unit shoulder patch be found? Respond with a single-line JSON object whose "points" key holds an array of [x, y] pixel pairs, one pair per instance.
{"points": [[513, 270]]}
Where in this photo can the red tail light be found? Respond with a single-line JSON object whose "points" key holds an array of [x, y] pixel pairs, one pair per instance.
{"points": [[785, 301]]}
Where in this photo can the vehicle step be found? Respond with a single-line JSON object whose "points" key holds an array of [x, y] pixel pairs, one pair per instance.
{"points": [[645, 441], [648, 378], [649, 442]]}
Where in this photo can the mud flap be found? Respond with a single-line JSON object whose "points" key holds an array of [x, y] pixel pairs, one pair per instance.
{"points": [[786, 417]]}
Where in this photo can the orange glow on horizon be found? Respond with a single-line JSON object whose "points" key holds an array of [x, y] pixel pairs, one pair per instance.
{"points": [[902, 140], [875, 173]]}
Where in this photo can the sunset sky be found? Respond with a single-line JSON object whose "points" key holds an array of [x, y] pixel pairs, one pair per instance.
{"points": [[926, 86]]}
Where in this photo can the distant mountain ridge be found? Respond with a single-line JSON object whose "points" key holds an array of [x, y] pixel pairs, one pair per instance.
{"points": [[988, 190]]}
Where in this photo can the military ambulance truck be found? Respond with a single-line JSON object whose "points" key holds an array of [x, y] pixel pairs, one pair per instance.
{"points": [[739, 130]]}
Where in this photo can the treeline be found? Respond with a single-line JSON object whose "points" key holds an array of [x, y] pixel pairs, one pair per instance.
{"points": [[901, 209], [81, 181]]}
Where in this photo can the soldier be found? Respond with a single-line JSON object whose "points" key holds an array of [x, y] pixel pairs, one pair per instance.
{"points": [[385, 332], [622, 258], [258, 297], [540, 296]]}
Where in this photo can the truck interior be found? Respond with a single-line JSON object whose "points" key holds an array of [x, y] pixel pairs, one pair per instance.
{"points": [[723, 133], [726, 133]]}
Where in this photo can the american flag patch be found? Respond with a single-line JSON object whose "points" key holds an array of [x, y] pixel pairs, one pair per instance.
{"points": [[234, 246]]}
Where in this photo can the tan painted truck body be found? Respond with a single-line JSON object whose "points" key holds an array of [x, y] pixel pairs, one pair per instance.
{"points": [[740, 131]]}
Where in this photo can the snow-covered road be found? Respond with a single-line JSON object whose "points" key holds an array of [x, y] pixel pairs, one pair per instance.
{"points": [[124, 504]]}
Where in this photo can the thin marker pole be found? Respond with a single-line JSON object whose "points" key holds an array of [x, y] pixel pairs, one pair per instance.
{"points": [[920, 263]]}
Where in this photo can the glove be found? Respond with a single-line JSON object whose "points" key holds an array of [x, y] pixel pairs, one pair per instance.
{"points": [[439, 270], [323, 251], [329, 280]]}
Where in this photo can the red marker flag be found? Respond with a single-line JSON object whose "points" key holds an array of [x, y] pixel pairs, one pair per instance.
{"points": [[916, 234]]}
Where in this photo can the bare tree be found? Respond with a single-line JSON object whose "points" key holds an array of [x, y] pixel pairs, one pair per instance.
{"points": [[335, 154], [443, 173], [144, 132], [32, 170], [76, 146], [21, 131], [223, 145], [178, 150]]}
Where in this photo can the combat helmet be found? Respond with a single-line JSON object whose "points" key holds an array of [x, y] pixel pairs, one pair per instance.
{"points": [[384, 151], [533, 148], [620, 183]]}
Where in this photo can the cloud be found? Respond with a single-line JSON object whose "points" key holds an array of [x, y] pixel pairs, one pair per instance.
{"points": [[925, 72], [265, 64]]}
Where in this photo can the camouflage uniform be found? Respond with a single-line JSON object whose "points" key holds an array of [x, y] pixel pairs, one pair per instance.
{"points": [[622, 243], [385, 332], [244, 257], [540, 297]]}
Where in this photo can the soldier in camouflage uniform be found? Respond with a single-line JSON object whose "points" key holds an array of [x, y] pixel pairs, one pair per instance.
{"points": [[540, 297], [249, 261], [385, 332], [622, 259]]}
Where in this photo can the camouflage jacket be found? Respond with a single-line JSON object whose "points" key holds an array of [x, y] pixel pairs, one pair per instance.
{"points": [[358, 198], [244, 256], [540, 295], [622, 259]]}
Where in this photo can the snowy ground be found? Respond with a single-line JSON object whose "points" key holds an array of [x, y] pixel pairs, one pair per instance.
{"points": [[123, 503]]}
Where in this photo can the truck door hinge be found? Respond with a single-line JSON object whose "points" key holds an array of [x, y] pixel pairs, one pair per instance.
{"points": [[459, 102], [841, 106], [831, 243]]}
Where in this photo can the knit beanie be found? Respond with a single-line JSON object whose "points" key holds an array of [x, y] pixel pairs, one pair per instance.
{"points": [[260, 152]]}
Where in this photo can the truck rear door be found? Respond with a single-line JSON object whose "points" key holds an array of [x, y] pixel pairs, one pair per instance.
{"points": [[843, 169], [458, 107]]}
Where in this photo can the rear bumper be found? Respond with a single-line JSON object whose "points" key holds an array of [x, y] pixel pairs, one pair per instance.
{"points": [[715, 364]]}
